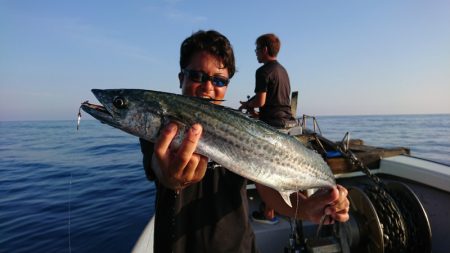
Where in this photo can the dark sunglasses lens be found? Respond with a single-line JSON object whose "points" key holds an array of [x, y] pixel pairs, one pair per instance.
{"points": [[196, 76], [200, 77], [219, 82]]}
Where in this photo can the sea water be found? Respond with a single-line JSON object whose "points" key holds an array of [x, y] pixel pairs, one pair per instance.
{"points": [[63, 190]]}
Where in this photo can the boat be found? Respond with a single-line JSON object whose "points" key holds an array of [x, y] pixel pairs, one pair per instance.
{"points": [[398, 202]]}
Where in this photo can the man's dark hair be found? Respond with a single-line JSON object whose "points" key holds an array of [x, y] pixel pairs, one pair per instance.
{"points": [[212, 42], [271, 41]]}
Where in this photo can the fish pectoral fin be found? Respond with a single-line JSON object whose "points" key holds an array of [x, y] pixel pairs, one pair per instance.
{"points": [[286, 198]]}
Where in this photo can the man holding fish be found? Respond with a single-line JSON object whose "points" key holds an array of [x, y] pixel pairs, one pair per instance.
{"points": [[200, 205], [200, 155]]}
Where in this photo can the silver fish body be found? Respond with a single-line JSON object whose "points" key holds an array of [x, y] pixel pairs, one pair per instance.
{"points": [[246, 146]]}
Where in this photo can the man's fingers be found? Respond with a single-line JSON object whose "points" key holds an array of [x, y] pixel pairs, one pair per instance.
{"points": [[195, 170], [341, 200], [342, 190], [189, 171], [340, 207], [201, 169], [187, 148], [326, 196], [163, 142], [341, 216]]}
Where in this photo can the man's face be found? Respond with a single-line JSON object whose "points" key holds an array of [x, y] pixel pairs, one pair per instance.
{"points": [[211, 66], [259, 53]]}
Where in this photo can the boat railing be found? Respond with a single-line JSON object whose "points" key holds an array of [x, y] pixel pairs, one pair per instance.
{"points": [[303, 122]]}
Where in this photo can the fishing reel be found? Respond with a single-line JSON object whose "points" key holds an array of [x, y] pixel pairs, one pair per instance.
{"points": [[381, 220]]}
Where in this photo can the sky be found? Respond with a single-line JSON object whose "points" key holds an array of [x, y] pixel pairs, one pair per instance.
{"points": [[344, 57]]}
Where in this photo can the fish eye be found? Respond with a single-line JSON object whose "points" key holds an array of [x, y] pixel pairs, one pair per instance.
{"points": [[120, 102]]}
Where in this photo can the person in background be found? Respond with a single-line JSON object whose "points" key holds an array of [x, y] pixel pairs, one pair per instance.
{"points": [[272, 97], [200, 206]]}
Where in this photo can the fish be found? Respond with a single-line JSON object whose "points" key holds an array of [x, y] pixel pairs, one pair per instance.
{"points": [[243, 145]]}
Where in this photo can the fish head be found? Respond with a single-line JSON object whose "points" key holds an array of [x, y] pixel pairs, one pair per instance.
{"points": [[137, 112]]}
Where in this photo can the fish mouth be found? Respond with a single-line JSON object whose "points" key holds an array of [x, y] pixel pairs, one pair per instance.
{"points": [[97, 111], [101, 112]]}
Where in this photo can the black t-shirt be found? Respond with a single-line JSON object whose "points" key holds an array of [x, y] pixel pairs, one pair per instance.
{"points": [[209, 216], [273, 79]]}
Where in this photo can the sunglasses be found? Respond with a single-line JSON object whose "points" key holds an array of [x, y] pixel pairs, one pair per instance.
{"points": [[202, 77]]}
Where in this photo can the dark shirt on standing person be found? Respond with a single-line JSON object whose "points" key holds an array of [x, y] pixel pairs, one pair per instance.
{"points": [[273, 79]]}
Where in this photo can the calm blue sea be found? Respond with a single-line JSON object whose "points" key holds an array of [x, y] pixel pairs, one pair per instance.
{"points": [[63, 190]]}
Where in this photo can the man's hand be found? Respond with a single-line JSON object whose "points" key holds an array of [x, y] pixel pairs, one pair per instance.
{"points": [[249, 110], [332, 202], [178, 168], [244, 106]]}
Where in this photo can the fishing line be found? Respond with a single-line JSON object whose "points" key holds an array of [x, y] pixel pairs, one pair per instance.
{"points": [[294, 226], [70, 209], [297, 204]]}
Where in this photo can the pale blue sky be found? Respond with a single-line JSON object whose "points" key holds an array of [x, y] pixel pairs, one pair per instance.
{"points": [[344, 57]]}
